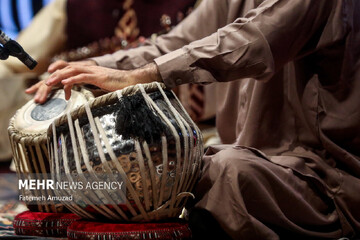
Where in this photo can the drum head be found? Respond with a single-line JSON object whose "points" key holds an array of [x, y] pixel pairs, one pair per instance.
{"points": [[35, 118]]}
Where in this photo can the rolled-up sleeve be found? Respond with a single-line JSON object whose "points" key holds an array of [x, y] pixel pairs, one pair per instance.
{"points": [[253, 46]]}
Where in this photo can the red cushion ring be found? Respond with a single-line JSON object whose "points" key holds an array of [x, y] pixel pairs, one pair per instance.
{"points": [[43, 224], [116, 231]]}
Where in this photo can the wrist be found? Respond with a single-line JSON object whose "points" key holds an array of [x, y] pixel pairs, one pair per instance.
{"points": [[147, 74]]}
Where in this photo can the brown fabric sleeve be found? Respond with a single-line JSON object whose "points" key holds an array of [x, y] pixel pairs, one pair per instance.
{"points": [[254, 46]]}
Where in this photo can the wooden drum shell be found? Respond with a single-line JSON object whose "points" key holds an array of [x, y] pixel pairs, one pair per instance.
{"points": [[159, 174], [28, 138]]}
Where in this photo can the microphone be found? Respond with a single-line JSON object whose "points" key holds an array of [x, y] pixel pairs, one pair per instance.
{"points": [[13, 48]]}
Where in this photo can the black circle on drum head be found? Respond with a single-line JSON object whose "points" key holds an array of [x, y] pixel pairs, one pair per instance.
{"points": [[51, 109]]}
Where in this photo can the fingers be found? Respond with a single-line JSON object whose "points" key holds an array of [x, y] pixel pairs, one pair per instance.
{"points": [[67, 90], [67, 72], [78, 79], [42, 93], [60, 64], [81, 78], [33, 88], [104, 78]]}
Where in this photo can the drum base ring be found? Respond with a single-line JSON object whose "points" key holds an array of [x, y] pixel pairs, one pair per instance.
{"points": [[43, 224], [82, 229]]}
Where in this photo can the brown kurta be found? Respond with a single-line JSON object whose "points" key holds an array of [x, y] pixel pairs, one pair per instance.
{"points": [[288, 80]]}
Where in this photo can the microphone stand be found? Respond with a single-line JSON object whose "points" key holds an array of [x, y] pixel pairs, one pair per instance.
{"points": [[9, 47], [4, 53]]}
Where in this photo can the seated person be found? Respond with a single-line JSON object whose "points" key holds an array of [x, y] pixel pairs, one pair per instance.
{"points": [[288, 79]]}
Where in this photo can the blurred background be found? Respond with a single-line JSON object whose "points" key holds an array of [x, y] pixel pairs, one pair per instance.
{"points": [[16, 15]]}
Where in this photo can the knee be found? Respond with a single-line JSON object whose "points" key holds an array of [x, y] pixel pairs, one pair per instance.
{"points": [[237, 159], [240, 164]]}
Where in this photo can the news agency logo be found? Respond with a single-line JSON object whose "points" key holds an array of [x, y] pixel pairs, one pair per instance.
{"points": [[49, 184], [43, 188]]}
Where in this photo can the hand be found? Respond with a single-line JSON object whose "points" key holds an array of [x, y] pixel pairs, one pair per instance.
{"points": [[42, 91], [60, 64], [104, 78]]}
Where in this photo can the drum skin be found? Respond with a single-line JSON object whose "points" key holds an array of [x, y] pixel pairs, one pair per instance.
{"points": [[27, 132], [142, 134]]}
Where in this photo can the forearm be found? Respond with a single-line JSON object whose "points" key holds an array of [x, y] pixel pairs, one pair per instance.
{"points": [[146, 74], [253, 46], [236, 51]]}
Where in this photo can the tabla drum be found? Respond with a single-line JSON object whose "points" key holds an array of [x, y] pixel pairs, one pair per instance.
{"points": [[140, 135], [27, 133]]}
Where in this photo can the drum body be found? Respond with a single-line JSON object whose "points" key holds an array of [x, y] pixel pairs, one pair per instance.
{"points": [[140, 134], [27, 133]]}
